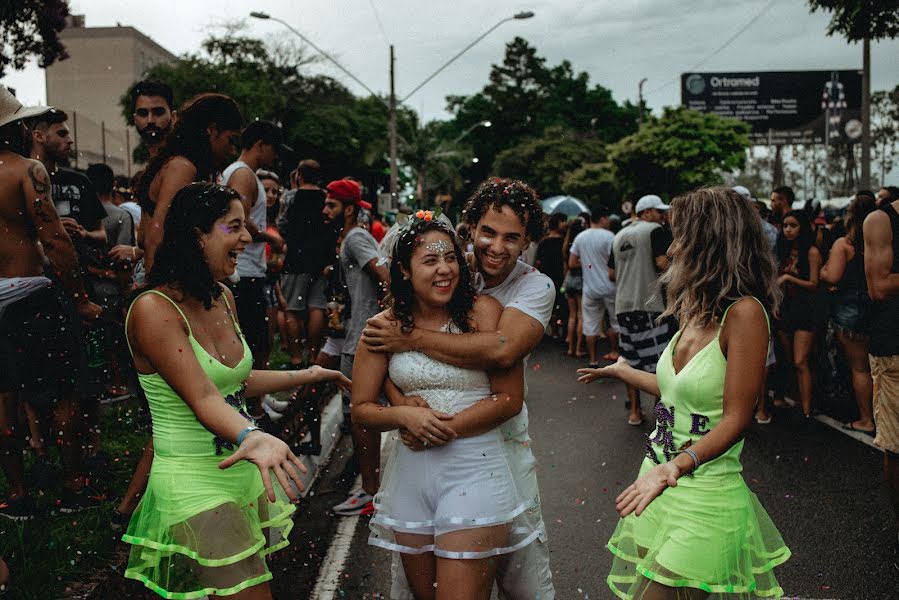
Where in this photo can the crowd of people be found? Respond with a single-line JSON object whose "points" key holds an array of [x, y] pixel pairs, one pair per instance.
{"points": [[176, 285]]}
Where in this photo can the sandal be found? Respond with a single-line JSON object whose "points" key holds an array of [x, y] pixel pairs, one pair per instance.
{"points": [[763, 421], [636, 423], [850, 427]]}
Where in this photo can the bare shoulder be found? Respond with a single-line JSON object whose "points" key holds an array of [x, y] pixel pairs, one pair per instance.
{"points": [[877, 223], [486, 312], [745, 317], [179, 166], [152, 312]]}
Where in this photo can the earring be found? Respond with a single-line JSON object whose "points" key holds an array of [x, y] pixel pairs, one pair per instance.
{"points": [[405, 277]]}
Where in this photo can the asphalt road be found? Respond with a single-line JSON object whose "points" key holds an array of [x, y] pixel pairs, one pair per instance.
{"points": [[821, 488]]}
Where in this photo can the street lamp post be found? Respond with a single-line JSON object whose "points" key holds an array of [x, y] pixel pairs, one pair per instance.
{"points": [[392, 101]]}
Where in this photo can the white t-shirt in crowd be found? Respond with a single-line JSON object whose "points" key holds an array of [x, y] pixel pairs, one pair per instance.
{"points": [[533, 293], [593, 246], [251, 262]]}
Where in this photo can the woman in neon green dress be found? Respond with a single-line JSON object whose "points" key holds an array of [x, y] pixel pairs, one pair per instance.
{"points": [[690, 526], [210, 514]]}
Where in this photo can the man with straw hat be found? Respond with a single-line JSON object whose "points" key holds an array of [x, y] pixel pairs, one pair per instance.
{"points": [[38, 347]]}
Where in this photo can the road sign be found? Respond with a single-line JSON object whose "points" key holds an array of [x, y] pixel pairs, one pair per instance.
{"points": [[782, 107]]}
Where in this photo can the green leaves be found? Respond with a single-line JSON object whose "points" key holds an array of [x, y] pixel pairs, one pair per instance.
{"points": [[859, 19], [31, 28]]}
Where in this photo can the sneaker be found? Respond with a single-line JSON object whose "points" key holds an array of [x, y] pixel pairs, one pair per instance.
{"points": [[275, 404], [71, 501], [358, 503], [18, 509]]}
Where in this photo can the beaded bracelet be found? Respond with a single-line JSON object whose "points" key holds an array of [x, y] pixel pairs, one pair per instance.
{"points": [[243, 434]]}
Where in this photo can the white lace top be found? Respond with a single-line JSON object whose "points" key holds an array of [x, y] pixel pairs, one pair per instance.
{"points": [[444, 387]]}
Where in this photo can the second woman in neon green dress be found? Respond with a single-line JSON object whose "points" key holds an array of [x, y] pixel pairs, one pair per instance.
{"points": [[690, 526]]}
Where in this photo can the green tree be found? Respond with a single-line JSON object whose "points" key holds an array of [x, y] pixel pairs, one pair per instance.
{"points": [[544, 160], [321, 118], [31, 28], [858, 20], [524, 97], [885, 130], [593, 183], [681, 150]]}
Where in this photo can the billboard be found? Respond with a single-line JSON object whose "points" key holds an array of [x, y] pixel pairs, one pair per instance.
{"points": [[782, 107]]}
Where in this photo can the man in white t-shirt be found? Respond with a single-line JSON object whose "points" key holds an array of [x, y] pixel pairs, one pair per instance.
{"points": [[590, 251], [504, 217]]}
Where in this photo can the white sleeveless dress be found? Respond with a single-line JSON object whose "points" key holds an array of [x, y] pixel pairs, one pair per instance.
{"points": [[465, 485]]}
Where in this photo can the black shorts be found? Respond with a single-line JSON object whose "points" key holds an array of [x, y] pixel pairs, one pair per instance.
{"points": [[252, 312], [40, 349]]}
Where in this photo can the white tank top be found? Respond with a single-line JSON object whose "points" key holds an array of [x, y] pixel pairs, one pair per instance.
{"points": [[251, 262]]}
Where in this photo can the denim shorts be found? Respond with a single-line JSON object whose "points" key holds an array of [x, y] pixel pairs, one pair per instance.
{"points": [[850, 312]]}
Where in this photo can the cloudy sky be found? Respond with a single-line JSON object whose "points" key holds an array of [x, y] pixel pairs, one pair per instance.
{"points": [[617, 42]]}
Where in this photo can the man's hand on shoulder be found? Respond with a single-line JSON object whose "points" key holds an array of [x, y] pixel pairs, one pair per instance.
{"points": [[383, 333]]}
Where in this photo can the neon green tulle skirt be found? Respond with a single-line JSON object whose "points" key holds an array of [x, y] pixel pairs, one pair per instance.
{"points": [[202, 531], [708, 534]]}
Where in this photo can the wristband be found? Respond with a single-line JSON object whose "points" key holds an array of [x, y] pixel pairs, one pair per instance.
{"points": [[696, 461], [243, 434]]}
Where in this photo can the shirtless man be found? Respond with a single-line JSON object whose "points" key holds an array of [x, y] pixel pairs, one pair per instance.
{"points": [[38, 347]]}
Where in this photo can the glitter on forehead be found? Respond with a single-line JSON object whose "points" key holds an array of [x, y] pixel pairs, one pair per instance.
{"points": [[439, 247]]}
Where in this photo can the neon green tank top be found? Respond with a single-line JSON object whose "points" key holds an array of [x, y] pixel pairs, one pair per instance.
{"points": [[692, 404], [176, 430]]}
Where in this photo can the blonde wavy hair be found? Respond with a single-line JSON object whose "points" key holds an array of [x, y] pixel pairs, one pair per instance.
{"points": [[720, 255]]}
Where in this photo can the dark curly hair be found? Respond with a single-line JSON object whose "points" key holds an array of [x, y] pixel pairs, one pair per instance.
{"points": [[190, 139], [496, 193], [462, 300], [179, 259]]}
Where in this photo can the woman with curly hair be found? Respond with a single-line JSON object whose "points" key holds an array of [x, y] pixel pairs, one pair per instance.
{"points": [[210, 514], [448, 511], [701, 533]]}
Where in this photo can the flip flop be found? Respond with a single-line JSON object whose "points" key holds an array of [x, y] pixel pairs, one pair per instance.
{"points": [[850, 427], [636, 423], [763, 421]]}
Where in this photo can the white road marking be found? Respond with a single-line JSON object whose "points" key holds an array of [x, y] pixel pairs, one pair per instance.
{"points": [[329, 576], [831, 422]]}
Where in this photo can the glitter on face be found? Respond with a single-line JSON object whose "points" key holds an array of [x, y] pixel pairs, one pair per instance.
{"points": [[439, 247]]}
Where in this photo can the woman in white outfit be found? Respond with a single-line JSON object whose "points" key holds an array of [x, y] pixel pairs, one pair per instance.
{"points": [[450, 506]]}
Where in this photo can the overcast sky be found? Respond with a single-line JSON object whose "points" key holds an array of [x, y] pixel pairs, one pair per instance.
{"points": [[617, 42]]}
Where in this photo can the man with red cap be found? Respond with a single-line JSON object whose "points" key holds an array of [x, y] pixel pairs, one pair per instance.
{"points": [[366, 276]]}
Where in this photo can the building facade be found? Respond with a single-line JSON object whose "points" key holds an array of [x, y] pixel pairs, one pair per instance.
{"points": [[103, 63]]}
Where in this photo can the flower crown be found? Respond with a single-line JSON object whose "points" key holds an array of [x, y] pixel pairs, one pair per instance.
{"points": [[418, 218]]}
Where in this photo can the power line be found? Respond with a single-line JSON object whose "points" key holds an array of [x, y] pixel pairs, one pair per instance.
{"points": [[730, 40], [374, 9]]}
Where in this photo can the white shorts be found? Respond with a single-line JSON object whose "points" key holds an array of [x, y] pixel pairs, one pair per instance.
{"points": [[333, 346], [593, 310]]}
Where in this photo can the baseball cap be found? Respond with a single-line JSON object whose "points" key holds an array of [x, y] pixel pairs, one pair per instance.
{"points": [[267, 132], [12, 110], [650, 201], [347, 191], [743, 191]]}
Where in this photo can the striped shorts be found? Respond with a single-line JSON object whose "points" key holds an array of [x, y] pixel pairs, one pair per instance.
{"points": [[642, 339]]}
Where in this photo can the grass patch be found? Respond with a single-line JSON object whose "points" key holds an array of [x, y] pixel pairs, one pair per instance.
{"points": [[48, 552]]}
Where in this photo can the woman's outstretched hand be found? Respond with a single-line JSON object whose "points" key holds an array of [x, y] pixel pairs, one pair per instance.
{"points": [[612, 370], [322, 374], [427, 425], [637, 496], [269, 453]]}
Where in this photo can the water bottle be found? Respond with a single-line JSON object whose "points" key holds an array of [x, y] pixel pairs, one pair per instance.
{"points": [[95, 356]]}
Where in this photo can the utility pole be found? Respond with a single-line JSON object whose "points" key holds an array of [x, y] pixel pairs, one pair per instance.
{"points": [[391, 130], [640, 95], [865, 179]]}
